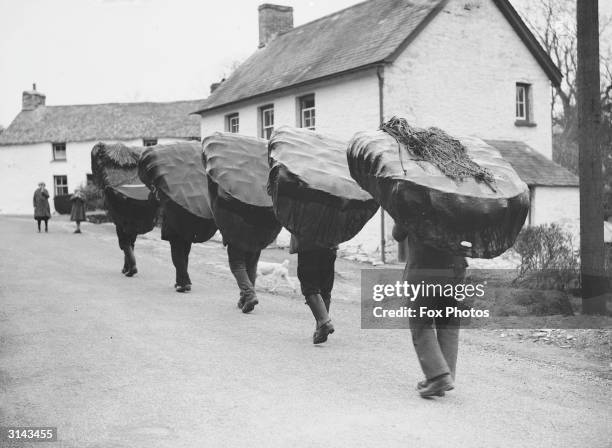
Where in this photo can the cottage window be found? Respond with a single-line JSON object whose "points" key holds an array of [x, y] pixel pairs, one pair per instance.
{"points": [[307, 111], [232, 123], [90, 179], [60, 185], [59, 151], [149, 141], [267, 121], [523, 111]]}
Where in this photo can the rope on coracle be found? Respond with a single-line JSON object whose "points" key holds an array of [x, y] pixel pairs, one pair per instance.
{"points": [[435, 146]]}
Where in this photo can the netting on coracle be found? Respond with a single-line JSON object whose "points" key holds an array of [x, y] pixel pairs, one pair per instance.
{"points": [[114, 164], [435, 146]]}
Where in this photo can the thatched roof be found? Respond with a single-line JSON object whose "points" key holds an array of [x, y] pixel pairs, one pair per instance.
{"points": [[104, 122]]}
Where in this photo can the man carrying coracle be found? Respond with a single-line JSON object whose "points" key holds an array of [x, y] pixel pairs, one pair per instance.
{"points": [[180, 229], [127, 240], [435, 339], [243, 265], [316, 274]]}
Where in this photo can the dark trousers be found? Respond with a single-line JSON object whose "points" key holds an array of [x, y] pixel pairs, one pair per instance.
{"points": [[179, 250], [436, 340], [126, 244], [46, 220], [243, 265], [436, 343], [126, 239], [316, 272]]}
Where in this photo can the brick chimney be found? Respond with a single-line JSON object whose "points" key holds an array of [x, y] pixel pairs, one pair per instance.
{"points": [[273, 20], [32, 99]]}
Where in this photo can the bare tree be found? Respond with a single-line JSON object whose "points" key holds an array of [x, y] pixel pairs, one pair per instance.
{"points": [[553, 22]]}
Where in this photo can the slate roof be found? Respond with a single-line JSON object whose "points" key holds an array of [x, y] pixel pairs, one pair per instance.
{"points": [[96, 122], [355, 38], [534, 168]]}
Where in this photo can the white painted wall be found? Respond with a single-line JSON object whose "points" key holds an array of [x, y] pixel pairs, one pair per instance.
{"points": [[460, 72], [557, 205], [343, 106], [22, 167]]}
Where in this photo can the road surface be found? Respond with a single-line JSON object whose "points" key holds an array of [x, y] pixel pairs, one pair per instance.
{"points": [[118, 362]]}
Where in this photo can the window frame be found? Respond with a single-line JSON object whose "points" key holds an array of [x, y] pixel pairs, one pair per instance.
{"points": [[263, 127], [525, 103], [63, 186], [54, 149], [229, 123], [147, 142], [521, 102], [310, 110]]}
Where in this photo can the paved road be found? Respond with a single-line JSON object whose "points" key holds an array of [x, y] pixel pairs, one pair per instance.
{"points": [[118, 362]]}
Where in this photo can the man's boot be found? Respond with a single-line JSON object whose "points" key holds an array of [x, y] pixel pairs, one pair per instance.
{"points": [[436, 386], [126, 265], [241, 300], [131, 260], [248, 297], [324, 325], [249, 304]]}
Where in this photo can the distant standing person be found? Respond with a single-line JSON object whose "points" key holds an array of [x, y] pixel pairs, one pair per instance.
{"points": [[42, 212], [77, 213]]}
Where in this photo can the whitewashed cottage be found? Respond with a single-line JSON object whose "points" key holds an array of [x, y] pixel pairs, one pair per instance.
{"points": [[53, 144], [470, 67]]}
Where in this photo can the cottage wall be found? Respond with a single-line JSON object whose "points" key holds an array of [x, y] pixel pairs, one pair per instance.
{"points": [[24, 166], [557, 205], [460, 74], [344, 106]]}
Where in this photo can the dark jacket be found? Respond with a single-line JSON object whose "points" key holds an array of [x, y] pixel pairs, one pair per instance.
{"points": [[296, 246], [41, 203], [77, 213], [422, 257], [179, 224]]}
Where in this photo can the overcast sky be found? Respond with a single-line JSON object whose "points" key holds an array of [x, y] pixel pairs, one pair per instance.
{"points": [[99, 51]]}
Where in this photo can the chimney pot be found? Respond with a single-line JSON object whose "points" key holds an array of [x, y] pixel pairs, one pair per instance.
{"points": [[273, 20], [215, 85], [32, 99]]}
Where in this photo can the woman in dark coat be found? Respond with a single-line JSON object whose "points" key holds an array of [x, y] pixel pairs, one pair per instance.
{"points": [[42, 212], [77, 213]]}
